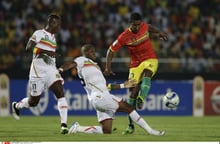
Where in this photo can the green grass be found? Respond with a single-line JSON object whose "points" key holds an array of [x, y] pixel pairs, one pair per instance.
{"points": [[46, 128]]}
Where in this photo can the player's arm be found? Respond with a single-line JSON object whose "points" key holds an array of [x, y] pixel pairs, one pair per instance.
{"points": [[126, 84], [116, 45], [109, 57], [30, 45], [155, 32], [67, 66]]}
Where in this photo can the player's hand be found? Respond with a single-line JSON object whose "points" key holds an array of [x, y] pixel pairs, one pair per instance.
{"points": [[60, 70], [108, 72], [163, 36], [130, 83]]}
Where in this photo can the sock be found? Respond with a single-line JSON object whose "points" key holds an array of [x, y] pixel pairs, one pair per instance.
{"points": [[131, 102], [22, 104], [145, 87], [62, 108], [90, 129], [140, 121]]}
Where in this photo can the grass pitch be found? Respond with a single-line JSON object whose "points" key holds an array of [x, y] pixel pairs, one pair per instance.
{"points": [[46, 129]]}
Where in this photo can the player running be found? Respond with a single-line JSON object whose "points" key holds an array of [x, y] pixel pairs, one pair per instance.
{"points": [[43, 72], [98, 94], [143, 63]]}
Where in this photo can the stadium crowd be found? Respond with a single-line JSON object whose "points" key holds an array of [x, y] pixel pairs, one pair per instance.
{"points": [[193, 27]]}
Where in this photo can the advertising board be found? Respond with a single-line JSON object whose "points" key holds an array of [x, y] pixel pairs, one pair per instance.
{"points": [[79, 105]]}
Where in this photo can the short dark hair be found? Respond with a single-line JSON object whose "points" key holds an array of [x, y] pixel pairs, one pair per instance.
{"points": [[135, 16], [53, 16], [86, 47]]}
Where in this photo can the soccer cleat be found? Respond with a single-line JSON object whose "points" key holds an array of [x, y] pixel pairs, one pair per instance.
{"points": [[15, 111], [140, 102], [74, 128], [162, 133], [64, 129], [157, 133], [129, 130]]}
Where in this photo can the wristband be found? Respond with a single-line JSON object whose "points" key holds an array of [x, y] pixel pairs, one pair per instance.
{"points": [[122, 85], [60, 69], [109, 86]]}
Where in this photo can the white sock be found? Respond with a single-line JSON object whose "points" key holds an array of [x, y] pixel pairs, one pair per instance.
{"points": [[23, 103], [140, 121], [62, 108], [90, 129]]}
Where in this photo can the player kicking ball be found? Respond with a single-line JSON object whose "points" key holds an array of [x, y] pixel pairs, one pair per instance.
{"points": [[105, 104]]}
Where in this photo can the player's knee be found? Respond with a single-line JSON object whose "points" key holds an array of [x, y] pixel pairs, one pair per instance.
{"points": [[59, 93], [147, 73], [129, 109], [57, 89], [125, 107]]}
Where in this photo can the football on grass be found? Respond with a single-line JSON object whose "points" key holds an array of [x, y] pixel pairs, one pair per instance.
{"points": [[171, 99]]}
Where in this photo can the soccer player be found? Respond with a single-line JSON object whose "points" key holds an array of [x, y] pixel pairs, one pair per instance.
{"points": [[143, 63], [43, 72], [98, 94]]}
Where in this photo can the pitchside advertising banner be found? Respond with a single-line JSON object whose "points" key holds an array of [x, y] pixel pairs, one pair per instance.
{"points": [[79, 105], [212, 98], [206, 97], [4, 95]]}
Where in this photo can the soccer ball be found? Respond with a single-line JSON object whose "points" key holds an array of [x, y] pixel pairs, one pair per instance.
{"points": [[171, 99]]}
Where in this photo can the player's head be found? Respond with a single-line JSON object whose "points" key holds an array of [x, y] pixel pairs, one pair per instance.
{"points": [[135, 22], [88, 51], [53, 22]]}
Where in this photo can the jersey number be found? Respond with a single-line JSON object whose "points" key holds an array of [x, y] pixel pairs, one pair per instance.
{"points": [[34, 87]]}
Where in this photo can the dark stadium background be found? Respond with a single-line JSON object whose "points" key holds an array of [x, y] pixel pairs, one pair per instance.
{"points": [[193, 27]]}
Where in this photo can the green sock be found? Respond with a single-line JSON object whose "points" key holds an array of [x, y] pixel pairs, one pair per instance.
{"points": [[131, 102], [145, 87]]}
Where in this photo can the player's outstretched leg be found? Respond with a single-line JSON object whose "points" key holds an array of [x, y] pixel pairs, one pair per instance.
{"points": [[76, 127], [145, 87], [130, 129], [62, 108], [16, 106], [143, 124]]}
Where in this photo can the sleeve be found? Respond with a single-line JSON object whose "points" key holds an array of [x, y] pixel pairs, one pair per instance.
{"points": [[79, 61], [37, 36], [117, 44]]}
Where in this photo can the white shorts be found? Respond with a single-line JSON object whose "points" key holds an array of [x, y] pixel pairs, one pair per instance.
{"points": [[47, 75], [105, 104]]}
